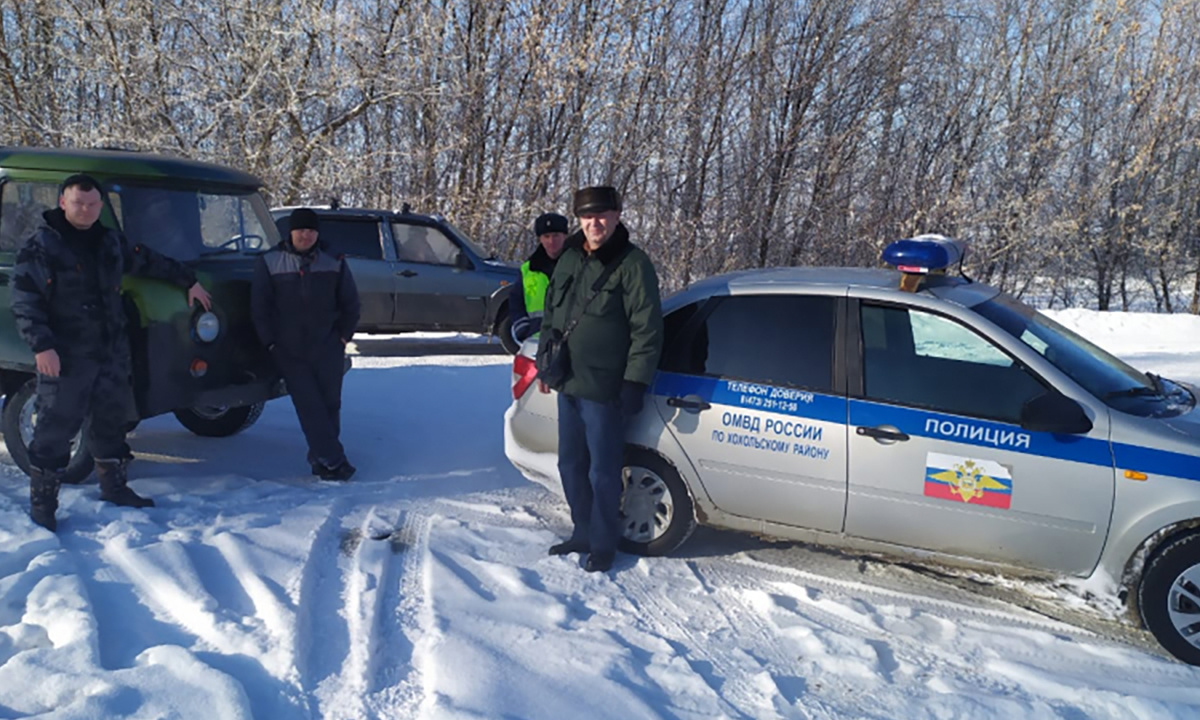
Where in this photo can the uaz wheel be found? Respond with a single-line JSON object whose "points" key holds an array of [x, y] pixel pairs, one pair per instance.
{"points": [[219, 421], [20, 415], [1169, 597], [656, 509]]}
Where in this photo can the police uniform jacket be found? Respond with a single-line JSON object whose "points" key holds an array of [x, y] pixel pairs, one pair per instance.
{"points": [[529, 298], [620, 332], [66, 292], [303, 302]]}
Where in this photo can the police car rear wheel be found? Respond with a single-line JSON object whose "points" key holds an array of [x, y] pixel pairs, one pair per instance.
{"points": [[20, 415], [1169, 597], [656, 509], [219, 421]]}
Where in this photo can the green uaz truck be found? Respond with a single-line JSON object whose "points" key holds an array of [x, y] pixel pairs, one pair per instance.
{"points": [[205, 367]]}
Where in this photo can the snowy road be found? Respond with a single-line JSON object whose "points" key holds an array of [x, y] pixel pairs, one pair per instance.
{"points": [[422, 588]]}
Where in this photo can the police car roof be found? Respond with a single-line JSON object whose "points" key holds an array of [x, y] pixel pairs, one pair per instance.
{"points": [[123, 163], [827, 280]]}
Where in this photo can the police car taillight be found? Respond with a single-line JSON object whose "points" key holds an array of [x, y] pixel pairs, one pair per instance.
{"points": [[922, 255], [524, 373]]}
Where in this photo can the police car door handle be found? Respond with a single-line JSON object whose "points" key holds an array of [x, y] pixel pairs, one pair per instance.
{"points": [[407, 273], [687, 403], [884, 432]]}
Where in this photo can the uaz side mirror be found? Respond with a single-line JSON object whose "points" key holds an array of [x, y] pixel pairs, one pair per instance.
{"points": [[463, 262], [1054, 413]]}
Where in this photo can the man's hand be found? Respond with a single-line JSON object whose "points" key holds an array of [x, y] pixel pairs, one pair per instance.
{"points": [[543, 388], [197, 293], [47, 363], [632, 395]]}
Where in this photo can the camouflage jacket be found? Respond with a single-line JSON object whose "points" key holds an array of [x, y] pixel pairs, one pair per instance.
{"points": [[58, 306]]}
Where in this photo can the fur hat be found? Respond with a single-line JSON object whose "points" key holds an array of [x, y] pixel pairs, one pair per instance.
{"points": [[596, 199]]}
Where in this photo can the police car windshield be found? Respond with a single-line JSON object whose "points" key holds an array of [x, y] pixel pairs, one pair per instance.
{"points": [[1102, 374], [189, 223]]}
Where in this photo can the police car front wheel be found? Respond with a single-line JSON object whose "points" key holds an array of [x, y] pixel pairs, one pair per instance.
{"points": [[1169, 597]]}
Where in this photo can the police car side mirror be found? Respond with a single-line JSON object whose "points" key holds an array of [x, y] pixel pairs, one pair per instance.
{"points": [[1054, 412], [462, 262]]}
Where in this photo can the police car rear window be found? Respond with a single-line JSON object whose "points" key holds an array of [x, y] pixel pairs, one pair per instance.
{"points": [[784, 340]]}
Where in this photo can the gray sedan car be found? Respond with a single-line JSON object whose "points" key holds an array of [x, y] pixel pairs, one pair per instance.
{"points": [[417, 272], [907, 412]]}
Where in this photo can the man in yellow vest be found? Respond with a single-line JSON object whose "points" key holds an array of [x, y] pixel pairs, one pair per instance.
{"points": [[529, 298]]}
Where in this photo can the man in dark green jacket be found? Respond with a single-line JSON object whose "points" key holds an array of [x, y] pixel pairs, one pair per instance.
{"points": [[614, 351]]}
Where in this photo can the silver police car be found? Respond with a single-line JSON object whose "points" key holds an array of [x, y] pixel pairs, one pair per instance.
{"points": [[906, 411]]}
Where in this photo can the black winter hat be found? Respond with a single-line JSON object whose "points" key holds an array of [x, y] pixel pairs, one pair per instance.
{"points": [[549, 223], [596, 199], [303, 219]]}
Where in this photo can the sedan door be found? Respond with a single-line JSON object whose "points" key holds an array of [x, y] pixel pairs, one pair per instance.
{"points": [[438, 287], [939, 461], [750, 388]]}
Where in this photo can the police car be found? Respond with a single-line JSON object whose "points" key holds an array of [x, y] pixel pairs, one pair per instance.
{"points": [[906, 411]]}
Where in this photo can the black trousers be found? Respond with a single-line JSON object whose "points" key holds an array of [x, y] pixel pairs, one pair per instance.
{"points": [[314, 382], [97, 391]]}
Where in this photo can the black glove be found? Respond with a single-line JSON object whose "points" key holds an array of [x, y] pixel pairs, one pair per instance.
{"points": [[632, 396]]}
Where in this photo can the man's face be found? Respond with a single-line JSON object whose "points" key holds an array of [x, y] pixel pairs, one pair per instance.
{"points": [[598, 227], [303, 239], [552, 243], [82, 207]]}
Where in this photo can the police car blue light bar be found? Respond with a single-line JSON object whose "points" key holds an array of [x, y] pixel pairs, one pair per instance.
{"points": [[924, 254]]}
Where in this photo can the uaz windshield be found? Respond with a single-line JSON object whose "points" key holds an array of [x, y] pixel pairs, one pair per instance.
{"points": [[188, 223]]}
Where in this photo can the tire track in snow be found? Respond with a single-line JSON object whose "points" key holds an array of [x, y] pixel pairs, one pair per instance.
{"points": [[690, 626], [976, 610], [377, 579], [318, 604], [167, 581], [397, 682]]}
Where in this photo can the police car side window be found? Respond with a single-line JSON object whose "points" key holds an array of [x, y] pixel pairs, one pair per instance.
{"points": [[772, 339], [926, 360], [353, 238], [21, 208]]}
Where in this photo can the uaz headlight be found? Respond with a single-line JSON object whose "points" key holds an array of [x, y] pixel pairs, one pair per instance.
{"points": [[207, 327]]}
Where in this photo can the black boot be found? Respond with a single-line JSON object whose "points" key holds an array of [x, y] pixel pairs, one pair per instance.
{"points": [[568, 546], [343, 471], [113, 485], [43, 497]]}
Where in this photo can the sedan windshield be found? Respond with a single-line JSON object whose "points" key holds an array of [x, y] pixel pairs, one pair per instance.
{"points": [[190, 223], [1104, 375]]}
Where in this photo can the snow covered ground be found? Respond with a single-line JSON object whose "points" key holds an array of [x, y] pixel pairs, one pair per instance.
{"points": [[422, 587]]}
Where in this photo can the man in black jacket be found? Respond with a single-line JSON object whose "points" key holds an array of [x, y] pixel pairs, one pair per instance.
{"points": [[305, 308], [66, 300]]}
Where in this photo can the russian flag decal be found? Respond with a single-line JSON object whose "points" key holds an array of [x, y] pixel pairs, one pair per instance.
{"points": [[968, 480]]}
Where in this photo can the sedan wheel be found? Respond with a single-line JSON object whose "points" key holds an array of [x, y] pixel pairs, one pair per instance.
{"points": [[656, 509], [1169, 597]]}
